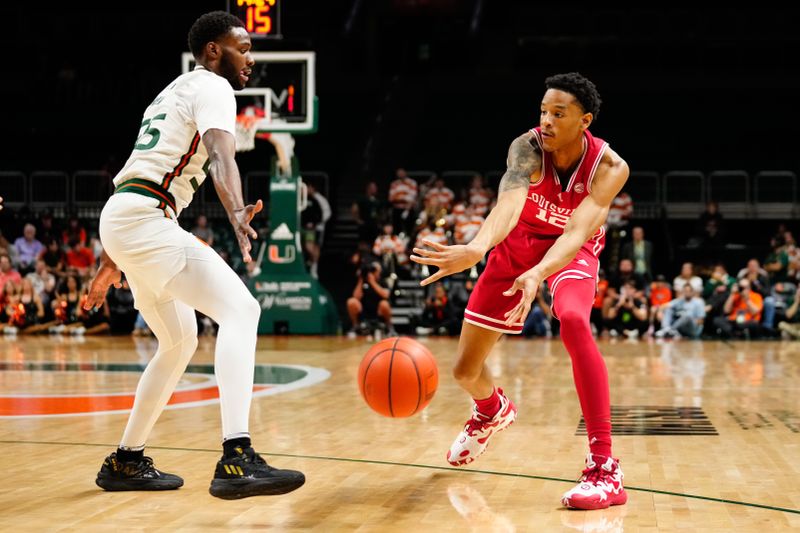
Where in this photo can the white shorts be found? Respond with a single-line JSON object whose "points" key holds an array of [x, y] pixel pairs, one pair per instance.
{"points": [[146, 245]]}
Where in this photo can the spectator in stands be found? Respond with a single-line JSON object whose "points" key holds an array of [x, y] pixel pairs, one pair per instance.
{"points": [[80, 258], [313, 219], [47, 229], [743, 311], [620, 212], [9, 307], [710, 226], [660, 296], [367, 213], [441, 193], [623, 274], [122, 313], [628, 315], [75, 230], [403, 198], [777, 262], [7, 248], [793, 251], [93, 321], [757, 276], [684, 316], [687, 276], [460, 291], [7, 273], [370, 300], [438, 316], [538, 321], [715, 293], [596, 318], [791, 326], [467, 225], [480, 195], [391, 249], [65, 306], [640, 252], [55, 259], [29, 316], [759, 282], [202, 230], [28, 249], [44, 283]]}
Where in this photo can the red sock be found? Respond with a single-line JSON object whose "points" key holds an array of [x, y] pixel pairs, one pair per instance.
{"points": [[573, 304], [489, 406]]}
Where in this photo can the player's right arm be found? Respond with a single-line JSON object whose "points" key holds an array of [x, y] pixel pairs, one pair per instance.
{"points": [[524, 162], [221, 147], [107, 274]]}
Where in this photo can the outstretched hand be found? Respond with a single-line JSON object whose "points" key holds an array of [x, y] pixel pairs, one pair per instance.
{"points": [[241, 226], [105, 277], [528, 283], [449, 259]]}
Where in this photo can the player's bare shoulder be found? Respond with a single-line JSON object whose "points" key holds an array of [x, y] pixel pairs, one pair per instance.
{"points": [[611, 175], [524, 163]]}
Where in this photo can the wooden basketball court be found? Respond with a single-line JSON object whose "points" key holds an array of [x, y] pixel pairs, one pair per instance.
{"points": [[708, 434]]}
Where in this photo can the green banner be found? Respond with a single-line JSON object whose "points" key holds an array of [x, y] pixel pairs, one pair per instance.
{"points": [[291, 300]]}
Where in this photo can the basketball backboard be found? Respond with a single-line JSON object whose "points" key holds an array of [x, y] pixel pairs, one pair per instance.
{"points": [[283, 86]]}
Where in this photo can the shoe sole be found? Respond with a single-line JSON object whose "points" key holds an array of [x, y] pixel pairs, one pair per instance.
{"points": [[469, 460], [118, 485], [616, 499], [235, 489]]}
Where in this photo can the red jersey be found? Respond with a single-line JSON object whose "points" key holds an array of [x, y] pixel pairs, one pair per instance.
{"points": [[548, 207], [550, 203]]}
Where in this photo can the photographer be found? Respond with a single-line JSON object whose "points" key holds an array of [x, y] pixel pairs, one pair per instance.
{"points": [[439, 314], [629, 313], [791, 326], [743, 309], [371, 298]]}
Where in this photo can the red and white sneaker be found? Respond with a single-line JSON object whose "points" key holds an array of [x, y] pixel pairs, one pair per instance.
{"points": [[473, 440], [599, 487]]}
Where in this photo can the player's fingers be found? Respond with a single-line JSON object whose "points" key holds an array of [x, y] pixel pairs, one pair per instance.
{"points": [[435, 245], [426, 253], [426, 260], [435, 277], [514, 288]]}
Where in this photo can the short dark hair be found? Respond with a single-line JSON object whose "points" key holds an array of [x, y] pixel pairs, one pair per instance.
{"points": [[581, 88], [210, 27]]}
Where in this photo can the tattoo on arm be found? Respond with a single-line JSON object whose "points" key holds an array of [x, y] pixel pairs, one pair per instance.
{"points": [[524, 159]]}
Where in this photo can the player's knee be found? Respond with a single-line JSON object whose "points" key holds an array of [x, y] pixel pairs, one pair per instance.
{"points": [[573, 319], [189, 345], [353, 305], [465, 373], [251, 309]]}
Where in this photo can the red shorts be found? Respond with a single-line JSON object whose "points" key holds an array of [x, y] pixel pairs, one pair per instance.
{"points": [[521, 251]]}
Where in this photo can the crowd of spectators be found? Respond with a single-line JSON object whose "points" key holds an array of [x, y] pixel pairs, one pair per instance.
{"points": [[635, 300]]}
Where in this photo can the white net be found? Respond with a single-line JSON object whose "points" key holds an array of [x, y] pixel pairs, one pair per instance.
{"points": [[246, 127]]}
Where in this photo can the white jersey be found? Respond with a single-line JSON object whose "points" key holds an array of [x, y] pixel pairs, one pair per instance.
{"points": [[169, 150]]}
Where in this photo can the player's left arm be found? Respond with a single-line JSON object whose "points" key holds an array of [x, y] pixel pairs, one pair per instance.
{"points": [[611, 175], [221, 146]]}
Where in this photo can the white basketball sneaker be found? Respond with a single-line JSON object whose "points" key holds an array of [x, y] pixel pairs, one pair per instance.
{"points": [[473, 440], [599, 487]]}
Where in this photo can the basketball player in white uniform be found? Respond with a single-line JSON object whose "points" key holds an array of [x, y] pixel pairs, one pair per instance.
{"points": [[172, 273]]}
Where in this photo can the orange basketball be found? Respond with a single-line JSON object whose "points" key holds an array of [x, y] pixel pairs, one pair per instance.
{"points": [[398, 377]]}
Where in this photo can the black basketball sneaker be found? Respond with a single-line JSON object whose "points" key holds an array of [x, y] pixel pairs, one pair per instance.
{"points": [[134, 475], [247, 474]]}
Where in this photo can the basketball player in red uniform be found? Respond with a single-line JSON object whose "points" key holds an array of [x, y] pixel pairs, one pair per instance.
{"points": [[547, 225]]}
